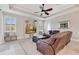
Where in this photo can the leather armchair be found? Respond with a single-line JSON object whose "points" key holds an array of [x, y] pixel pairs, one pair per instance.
{"points": [[54, 44]]}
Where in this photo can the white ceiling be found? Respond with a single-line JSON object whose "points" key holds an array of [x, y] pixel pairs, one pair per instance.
{"points": [[31, 8]]}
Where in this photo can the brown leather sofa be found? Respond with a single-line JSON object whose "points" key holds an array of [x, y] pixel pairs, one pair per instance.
{"points": [[54, 44]]}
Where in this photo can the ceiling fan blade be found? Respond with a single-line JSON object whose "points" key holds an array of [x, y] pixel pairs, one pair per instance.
{"points": [[46, 13], [37, 12], [49, 9], [42, 7], [41, 14]]}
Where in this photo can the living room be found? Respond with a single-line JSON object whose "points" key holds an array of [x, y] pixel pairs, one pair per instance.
{"points": [[15, 18]]}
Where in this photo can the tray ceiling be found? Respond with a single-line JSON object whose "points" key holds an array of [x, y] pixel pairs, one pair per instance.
{"points": [[32, 8]]}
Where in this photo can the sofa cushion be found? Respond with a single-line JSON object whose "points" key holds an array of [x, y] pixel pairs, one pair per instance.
{"points": [[50, 40], [51, 32], [61, 34]]}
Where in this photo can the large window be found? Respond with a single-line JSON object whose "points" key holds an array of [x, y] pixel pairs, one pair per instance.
{"points": [[10, 24]]}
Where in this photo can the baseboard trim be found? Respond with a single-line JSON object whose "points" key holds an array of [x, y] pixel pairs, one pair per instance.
{"points": [[75, 39], [1, 42], [20, 38]]}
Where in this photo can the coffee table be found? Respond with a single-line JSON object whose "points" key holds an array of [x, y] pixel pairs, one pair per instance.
{"points": [[36, 38]]}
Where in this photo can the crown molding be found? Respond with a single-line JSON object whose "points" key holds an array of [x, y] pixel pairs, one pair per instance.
{"points": [[29, 15], [64, 12], [7, 9], [22, 14]]}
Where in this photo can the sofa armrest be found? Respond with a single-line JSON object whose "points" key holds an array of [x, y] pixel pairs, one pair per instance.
{"points": [[45, 48]]}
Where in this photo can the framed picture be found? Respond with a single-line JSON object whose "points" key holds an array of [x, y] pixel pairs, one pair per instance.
{"points": [[64, 24]]}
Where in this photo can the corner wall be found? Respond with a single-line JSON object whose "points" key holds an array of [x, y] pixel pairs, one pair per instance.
{"points": [[73, 20], [1, 28], [20, 24]]}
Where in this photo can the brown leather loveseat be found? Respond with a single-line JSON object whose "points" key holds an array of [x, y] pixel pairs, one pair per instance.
{"points": [[54, 44]]}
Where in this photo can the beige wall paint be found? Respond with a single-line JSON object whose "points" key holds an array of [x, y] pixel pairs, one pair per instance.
{"points": [[1, 28], [73, 19], [20, 24]]}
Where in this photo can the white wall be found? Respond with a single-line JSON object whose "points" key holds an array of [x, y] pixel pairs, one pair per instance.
{"points": [[73, 19], [20, 24], [1, 28], [4, 6]]}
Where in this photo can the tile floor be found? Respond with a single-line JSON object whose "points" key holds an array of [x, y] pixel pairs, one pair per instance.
{"points": [[27, 47], [19, 47], [71, 49]]}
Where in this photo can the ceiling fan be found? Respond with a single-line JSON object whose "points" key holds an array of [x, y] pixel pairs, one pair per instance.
{"points": [[43, 11]]}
